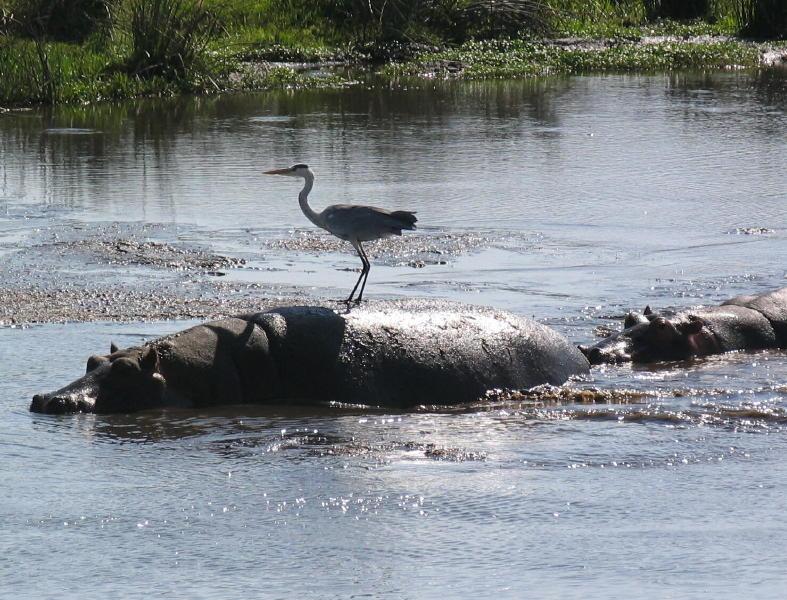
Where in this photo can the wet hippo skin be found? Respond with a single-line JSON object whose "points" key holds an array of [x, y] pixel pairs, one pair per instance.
{"points": [[742, 323], [393, 354]]}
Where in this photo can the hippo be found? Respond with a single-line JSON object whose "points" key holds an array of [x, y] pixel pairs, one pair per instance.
{"points": [[742, 323], [395, 354]]}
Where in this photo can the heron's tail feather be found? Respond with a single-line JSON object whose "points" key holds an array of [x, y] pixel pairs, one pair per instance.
{"points": [[406, 218]]}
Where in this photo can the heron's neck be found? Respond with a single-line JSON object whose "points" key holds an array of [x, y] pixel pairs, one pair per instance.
{"points": [[303, 200]]}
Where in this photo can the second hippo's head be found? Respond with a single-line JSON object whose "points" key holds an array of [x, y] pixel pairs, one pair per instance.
{"points": [[648, 337], [112, 383]]}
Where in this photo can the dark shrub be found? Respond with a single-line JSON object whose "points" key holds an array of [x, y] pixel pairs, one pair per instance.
{"points": [[482, 18], [167, 37], [63, 20], [677, 9], [762, 18], [408, 20]]}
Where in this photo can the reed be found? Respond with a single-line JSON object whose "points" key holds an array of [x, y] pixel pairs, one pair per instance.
{"points": [[51, 73], [761, 18], [167, 38]]}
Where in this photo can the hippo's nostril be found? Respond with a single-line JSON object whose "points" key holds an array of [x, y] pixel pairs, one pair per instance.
{"points": [[38, 403], [62, 403], [55, 405]]}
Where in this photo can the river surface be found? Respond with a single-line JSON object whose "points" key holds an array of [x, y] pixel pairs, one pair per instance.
{"points": [[570, 200]]}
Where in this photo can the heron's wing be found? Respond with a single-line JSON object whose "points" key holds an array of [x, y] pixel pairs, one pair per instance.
{"points": [[364, 223]]}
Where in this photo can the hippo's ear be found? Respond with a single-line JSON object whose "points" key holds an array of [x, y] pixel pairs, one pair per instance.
{"points": [[94, 362], [148, 360], [632, 319], [647, 311], [112, 348]]}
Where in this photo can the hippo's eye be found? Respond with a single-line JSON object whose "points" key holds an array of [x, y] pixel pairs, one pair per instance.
{"points": [[659, 322], [124, 366]]}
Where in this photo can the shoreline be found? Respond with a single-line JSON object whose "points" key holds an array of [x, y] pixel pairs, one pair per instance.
{"points": [[589, 55], [643, 51]]}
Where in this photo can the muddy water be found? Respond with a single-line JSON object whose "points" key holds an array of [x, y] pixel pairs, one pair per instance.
{"points": [[568, 199]]}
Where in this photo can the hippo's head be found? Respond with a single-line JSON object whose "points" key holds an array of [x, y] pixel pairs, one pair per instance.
{"points": [[647, 337], [113, 383]]}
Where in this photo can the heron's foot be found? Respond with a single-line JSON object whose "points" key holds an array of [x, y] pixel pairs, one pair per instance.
{"points": [[352, 300], [347, 301]]}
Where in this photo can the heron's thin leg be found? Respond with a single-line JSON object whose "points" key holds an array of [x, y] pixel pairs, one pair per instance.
{"points": [[367, 268], [364, 270], [350, 298]]}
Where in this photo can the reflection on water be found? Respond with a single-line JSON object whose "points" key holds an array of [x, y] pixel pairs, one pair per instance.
{"points": [[598, 194], [526, 153]]}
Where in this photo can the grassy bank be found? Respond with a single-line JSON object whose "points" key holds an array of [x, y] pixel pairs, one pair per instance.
{"points": [[76, 51], [523, 57]]}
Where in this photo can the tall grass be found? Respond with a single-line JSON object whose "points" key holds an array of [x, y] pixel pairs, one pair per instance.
{"points": [[460, 20], [762, 18], [485, 19], [425, 20], [56, 72], [168, 38], [158, 46]]}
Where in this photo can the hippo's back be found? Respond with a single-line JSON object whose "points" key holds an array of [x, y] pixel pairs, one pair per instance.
{"points": [[772, 305], [406, 353]]}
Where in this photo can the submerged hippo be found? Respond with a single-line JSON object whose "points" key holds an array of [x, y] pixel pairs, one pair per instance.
{"points": [[393, 354], [742, 323]]}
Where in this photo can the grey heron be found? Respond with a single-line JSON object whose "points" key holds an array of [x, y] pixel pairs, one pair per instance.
{"points": [[353, 223]]}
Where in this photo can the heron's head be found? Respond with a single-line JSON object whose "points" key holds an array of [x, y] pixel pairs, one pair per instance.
{"points": [[299, 170]]}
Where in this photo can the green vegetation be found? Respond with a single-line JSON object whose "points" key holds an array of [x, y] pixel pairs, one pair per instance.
{"points": [[60, 51], [167, 37], [516, 58]]}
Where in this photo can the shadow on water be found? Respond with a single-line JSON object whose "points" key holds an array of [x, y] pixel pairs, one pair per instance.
{"points": [[512, 140]]}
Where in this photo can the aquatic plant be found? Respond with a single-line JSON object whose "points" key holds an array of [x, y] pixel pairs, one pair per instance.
{"points": [[522, 58]]}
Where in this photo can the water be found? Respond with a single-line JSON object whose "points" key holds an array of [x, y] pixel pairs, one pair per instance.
{"points": [[571, 200]]}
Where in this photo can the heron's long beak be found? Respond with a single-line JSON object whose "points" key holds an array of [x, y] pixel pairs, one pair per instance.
{"points": [[276, 172]]}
